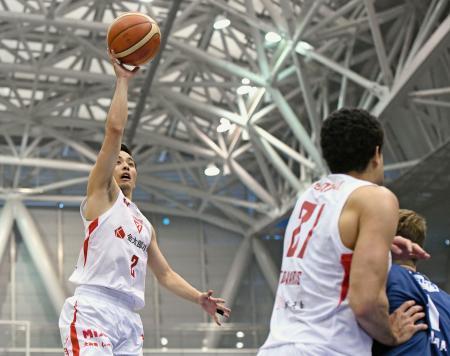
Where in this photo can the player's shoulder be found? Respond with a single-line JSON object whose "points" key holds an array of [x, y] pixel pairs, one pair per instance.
{"points": [[374, 197], [399, 272]]}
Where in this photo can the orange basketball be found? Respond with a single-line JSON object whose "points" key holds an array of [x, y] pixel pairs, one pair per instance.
{"points": [[134, 38]]}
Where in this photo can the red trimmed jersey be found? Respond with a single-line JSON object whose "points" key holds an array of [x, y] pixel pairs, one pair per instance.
{"points": [[114, 252], [311, 307]]}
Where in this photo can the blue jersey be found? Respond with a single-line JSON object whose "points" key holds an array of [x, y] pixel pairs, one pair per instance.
{"points": [[404, 284]]}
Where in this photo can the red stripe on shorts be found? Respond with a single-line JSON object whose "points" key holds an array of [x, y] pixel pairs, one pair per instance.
{"points": [[73, 334], [92, 226]]}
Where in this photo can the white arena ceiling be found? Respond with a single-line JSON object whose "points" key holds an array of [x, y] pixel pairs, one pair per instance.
{"points": [[267, 97]]}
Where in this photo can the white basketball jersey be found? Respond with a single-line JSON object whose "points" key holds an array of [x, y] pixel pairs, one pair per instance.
{"points": [[311, 306], [114, 253]]}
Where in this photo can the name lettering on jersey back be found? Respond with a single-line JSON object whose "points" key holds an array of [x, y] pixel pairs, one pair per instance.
{"points": [[290, 277], [426, 284], [325, 187], [439, 343], [282, 303]]}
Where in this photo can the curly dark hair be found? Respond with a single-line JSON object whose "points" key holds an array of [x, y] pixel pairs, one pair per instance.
{"points": [[349, 138]]}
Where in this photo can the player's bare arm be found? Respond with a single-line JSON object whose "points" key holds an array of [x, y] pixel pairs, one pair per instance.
{"points": [[376, 209], [171, 280], [102, 189]]}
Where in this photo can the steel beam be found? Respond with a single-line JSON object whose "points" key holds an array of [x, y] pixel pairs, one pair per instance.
{"points": [[41, 19], [39, 255], [423, 59], [6, 224], [266, 264], [231, 285], [45, 163], [145, 89]]}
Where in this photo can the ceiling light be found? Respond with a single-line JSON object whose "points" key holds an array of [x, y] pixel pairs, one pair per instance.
{"points": [[272, 37], [303, 47], [240, 334], [226, 170], [245, 81], [221, 22], [239, 345], [164, 341], [224, 126], [245, 135], [211, 170], [243, 89]]}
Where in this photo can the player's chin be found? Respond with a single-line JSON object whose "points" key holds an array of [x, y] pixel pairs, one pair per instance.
{"points": [[125, 185]]}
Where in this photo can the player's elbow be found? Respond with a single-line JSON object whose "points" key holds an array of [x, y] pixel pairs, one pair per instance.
{"points": [[362, 306], [114, 130], [164, 276]]}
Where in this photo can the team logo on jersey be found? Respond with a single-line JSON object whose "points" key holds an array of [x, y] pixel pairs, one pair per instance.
{"points": [[120, 233], [138, 223], [126, 202]]}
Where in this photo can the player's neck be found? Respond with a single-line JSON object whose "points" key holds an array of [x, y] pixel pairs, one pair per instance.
{"points": [[128, 193], [408, 264], [365, 175]]}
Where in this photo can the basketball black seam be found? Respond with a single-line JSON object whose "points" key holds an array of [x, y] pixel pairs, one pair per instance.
{"points": [[137, 24]]}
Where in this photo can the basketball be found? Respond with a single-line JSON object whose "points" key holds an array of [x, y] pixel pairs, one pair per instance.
{"points": [[134, 38]]}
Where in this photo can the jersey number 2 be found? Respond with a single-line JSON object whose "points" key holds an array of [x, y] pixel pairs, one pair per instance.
{"points": [[134, 261], [306, 213]]}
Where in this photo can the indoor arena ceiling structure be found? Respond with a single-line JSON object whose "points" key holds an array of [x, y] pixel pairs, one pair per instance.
{"points": [[239, 90]]}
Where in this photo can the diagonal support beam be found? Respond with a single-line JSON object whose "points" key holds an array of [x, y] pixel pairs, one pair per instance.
{"points": [[6, 224], [378, 41], [145, 90], [266, 264], [231, 285], [297, 128], [39, 255], [438, 41]]}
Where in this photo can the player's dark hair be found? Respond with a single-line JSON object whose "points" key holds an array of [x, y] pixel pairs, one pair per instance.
{"points": [[124, 147], [349, 138]]}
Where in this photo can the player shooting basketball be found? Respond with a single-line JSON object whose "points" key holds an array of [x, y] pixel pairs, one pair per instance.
{"points": [[101, 318]]}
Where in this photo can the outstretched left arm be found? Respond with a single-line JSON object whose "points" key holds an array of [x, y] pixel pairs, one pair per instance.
{"points": [[179, 286]]}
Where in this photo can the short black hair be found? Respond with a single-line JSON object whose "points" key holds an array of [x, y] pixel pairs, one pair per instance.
{"points": [[124, 147], [349, 138]]}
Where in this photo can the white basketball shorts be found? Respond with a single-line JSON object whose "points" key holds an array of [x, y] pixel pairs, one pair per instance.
{"points": [[98, 321]]}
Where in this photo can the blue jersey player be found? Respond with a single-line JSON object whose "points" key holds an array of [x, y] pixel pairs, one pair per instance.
{"points": [[405, 283]]}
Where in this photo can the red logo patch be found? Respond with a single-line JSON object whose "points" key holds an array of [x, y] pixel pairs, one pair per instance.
{"points": [[138, 223], [120, 233]]}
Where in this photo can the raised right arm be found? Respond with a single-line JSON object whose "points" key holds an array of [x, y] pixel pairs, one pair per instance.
{"points": [[102, 189]]}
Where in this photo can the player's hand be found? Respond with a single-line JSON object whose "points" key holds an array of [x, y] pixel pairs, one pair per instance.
{"points": [[404, 249], [213, 306], [403, 321], [120, 70]]}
